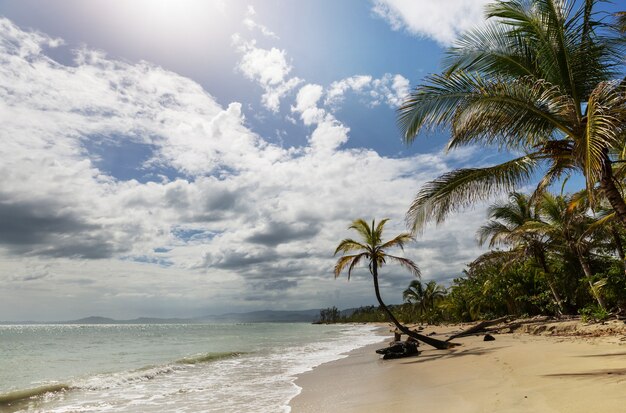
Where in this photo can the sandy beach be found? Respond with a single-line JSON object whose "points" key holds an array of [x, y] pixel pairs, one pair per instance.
{"points": [[518, 372]]}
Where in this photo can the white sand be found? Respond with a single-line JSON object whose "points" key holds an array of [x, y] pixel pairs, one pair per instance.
{"points": [[515, 373]]}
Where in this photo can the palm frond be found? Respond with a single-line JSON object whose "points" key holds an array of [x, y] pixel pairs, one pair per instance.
{"points": [[398, 241], [363, 228], [406, 263], [494, 231], [512, 114], [348, 260], [459, 189], [491, 50], [606, 115], [495, 109], [348, 245]]}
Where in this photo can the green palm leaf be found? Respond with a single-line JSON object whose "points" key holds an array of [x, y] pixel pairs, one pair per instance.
{"points": [[458, 189]]}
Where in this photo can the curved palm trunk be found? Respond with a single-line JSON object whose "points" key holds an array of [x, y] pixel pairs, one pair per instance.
{"points": [[441, 345], [610, 190]]}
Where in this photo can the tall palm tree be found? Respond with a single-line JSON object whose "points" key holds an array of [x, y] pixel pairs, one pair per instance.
{"points": [[433, 293], [509, 225], [423, 298], [567, 224], [414, 294], [371, 249], [539, 79]]}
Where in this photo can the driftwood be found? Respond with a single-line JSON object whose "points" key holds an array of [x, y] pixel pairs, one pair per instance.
{"points": [[518, 323], [399, 349], [478, 327], [483, 326], [438, 344]]}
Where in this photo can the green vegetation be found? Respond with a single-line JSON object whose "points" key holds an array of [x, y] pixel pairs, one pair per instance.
{"points": [[543, 81], [540, 80], [329, 315], [551, 256]]}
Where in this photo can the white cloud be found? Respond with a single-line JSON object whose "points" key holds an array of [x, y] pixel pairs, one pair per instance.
{"points": [[440, 20], [389, 89], [306, 104], [251, 24], [229, 209], [329, 133], [269, 68]]}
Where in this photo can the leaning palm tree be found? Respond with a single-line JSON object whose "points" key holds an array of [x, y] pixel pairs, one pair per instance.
{"points": [[540, 79], [373, 251]]}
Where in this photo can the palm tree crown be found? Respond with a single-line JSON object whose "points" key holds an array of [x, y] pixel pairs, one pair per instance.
{"points": [[535, 80], [371, 248]]}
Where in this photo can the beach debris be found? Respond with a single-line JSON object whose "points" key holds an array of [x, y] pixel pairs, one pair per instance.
{"points": [[489, 337], [399, 349], [479, 327], [426, 339], [506, 324]]}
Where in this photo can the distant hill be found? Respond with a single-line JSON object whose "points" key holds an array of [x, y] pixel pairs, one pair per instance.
{"points": [[267, 316]]}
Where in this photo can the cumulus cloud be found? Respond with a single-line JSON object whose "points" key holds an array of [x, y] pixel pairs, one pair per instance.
{"points": [[440, 20], [217, 206], [269, 68], [389, 89], [329, 133]]}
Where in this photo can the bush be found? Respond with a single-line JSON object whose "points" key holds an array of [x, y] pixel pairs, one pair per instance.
{"points": [[593, 313]]}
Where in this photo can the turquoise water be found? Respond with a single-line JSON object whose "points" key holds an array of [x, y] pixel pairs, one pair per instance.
{"points": [[164, 367]]}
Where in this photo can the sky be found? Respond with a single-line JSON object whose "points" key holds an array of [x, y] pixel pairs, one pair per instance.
{"points": [[176, 158]]}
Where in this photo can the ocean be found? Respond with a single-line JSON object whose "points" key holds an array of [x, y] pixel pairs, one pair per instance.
{"points": [[165, 367]]}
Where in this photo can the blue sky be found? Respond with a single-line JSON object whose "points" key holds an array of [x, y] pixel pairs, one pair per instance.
{"points": [[179, 158]]}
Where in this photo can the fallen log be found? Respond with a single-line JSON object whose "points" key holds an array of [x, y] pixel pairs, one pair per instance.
{"points": [[482, 327], [478, 327], [438, 344]]}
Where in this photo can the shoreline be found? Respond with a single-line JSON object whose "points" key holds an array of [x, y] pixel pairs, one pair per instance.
{"points": [[518, 372]]}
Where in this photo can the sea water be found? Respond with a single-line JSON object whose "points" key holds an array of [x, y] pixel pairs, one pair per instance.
{"points": [[165, 367]]}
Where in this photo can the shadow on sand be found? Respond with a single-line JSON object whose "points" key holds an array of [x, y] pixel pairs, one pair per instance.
{"points": [[452, 353], [592, 373]]}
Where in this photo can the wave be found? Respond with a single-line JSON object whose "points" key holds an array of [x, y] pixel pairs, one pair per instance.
{"points": [[17, 395], [208, 357], [113, 380]]}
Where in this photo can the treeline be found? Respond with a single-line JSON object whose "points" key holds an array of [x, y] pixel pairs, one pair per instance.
{"points": [[548, 256]]}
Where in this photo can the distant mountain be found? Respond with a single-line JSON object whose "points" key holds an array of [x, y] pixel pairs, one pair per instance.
{"points": [[267, 316]]}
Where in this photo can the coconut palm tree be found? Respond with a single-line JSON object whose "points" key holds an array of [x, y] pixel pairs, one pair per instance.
{"points": [[567, 224], [423, 298], [540, 79], [509, 226], [414, 295], [371, 249], [433, 293]]}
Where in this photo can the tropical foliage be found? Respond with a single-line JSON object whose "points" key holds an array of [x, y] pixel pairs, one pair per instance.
{"points": [[549, 256], [543, 83], [539, 80]]}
